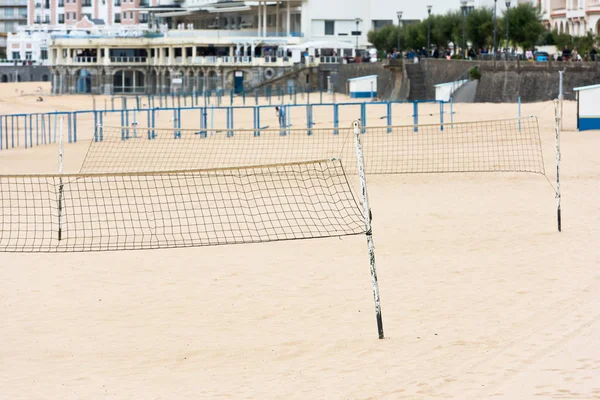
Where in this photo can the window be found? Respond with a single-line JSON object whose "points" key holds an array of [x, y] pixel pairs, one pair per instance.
{"points": [[16, 55], [380, 23], [61, 3], [143, 18], [61, 18], [38, 19], [74, 16], [330, 27], [47, 19], [43, 54], [28, 55], [117, 3], [117, 17], [22, 12], [131, 15], [9, 12], [87, 3], [89, 16]]}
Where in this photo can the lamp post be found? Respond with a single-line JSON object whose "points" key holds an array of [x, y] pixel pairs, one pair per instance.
{"points": [[495, 1], [399, 15], [507, 8], [429, 29], [463, 7]]}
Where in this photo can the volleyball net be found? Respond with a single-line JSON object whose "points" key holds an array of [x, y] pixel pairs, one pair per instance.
{"points": [[511, 145]]}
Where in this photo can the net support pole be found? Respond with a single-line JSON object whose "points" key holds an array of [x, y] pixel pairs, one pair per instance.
{"points": [[336, 118], [60, 182], [561, 95], [441, 115], [519, 112], [451, 113], [557, 122], [368, 229], [389, 116]]}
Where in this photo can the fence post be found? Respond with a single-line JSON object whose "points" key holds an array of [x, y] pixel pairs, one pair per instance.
{"points": [[336, 118], [363, 116], [309, 123], [25, 129], [416, 115], [389, 116]]}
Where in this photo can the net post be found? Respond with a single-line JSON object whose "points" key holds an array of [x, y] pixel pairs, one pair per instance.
{"points": [[442, 115], [519, 112], [60, 181], [451, 113], [557, 121], [336, 117], [368, 229], [389, 116]]}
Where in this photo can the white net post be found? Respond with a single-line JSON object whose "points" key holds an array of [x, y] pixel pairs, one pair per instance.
{"points": [[368, 229], [60, 181], [557, 123]]}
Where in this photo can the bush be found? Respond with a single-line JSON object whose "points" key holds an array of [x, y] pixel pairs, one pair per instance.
{"points": [[475, 74], [456, 57]]}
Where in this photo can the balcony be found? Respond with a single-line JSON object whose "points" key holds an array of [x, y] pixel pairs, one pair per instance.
{"points": [[117, 3], [86, 4], [144, 3], [61, 3], [128, 60], [85, 60]]}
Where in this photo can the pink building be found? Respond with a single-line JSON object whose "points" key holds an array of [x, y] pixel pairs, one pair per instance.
{"points": [[83, 13]]}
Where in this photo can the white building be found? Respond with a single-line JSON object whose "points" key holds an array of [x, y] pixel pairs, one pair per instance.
{"points": [[575, 17]]}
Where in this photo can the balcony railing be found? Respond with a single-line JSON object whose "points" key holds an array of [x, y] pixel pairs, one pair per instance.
{"points": [[126, 59], [85, 60]]}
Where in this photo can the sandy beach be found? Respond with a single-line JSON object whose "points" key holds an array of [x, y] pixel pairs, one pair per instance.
{"points": [[481, 296]]}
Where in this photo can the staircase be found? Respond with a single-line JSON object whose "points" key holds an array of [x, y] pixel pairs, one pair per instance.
{"points": [[415, 74]]}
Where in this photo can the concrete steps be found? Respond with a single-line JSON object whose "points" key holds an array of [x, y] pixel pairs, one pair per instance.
{"points": [[415, 74]]}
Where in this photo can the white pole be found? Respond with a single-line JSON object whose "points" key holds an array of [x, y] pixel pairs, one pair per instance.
{"points": [[369, 232], [557, 118], [60, 181], [561, 95]]}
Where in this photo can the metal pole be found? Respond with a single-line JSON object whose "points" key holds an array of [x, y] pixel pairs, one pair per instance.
{"points": [[507, 8], [464, 12], [428, 29], [368, 229], [557, 118], [561, 96], [495, 28], [60, 181]]}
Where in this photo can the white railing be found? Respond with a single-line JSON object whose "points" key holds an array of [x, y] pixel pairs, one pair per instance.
{"points": [[329, 60], [85, 59], [128, 59]]}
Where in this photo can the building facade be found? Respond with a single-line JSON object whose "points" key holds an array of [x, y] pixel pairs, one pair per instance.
{"points": [[13, 13], [575, 17]]}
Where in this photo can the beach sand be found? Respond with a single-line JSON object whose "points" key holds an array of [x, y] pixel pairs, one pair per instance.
{"points": [[481, 296]]}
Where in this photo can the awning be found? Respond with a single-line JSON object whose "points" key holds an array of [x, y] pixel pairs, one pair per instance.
{"points": [[173, 14]]}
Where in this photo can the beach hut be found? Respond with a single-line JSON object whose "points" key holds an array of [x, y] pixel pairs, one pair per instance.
{"points": [[588, 107], [363, 87]]}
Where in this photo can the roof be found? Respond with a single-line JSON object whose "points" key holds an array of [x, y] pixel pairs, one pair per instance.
{"points": [[451, 83], [322, 45], [360, 78], [587, 87]]}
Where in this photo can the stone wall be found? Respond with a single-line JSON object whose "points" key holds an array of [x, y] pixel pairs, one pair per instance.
{"points": [[437, 70], [342, 72], [506, 81], [20, 73]]}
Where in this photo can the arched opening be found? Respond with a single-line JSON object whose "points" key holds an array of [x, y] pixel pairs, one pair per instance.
{"points": [[4, 78], [128, 81], [44, 78], [567, 29], [200, 81], [561, 28], [598, 28], [153, 82], [84, 82], [213, 80], [18, 77]]}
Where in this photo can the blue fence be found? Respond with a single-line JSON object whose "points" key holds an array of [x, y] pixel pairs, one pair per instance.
{"points": [[28, 130]]}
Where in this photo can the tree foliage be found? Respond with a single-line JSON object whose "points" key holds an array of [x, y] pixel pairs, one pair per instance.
{"points": [[524, 25]]}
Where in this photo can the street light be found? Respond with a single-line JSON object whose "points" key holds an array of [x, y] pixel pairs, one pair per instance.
{"points": [[399, 15], [507, 7], [357, 20], [429, 28], [463, 7], [495, 1]]}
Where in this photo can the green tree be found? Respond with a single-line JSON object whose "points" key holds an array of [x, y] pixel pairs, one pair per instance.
{"points": [[447, 29], [414, 36], [525, 25], [384, 39], [480, 27]]}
